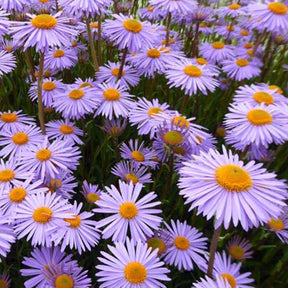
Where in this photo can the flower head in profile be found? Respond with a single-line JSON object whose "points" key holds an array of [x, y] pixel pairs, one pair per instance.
{"points": [[239, 248], [131, 265], [91, 192], [207, 282], [130, 214], [257, 193]]}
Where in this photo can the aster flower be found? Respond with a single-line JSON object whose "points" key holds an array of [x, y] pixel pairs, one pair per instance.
{"points": [[114, 100], [7, 62], [38, 215], [64, 130], [80, 232], [43, 31], [15, 143], [241, 68], [138, 154], [115, 127], [41, 258], [190, 77], [75, 102], [257, 124], [5, 279], [183, 7], [4, 20], [219, 282], [110, 71], [144, 113], [9, 45], [131, 266], [7, 236], [17, 5], [279, 225], [185, 246], [233, 10], [239, 248], [151, 13], [47, 159], [230, 272], [14, 120], [128, 172], [227, 31], [128, 212], [216, 52], [60, 59], [50, 87], [91, 192], [255, 194], [273, 15], [130, 33], [88, 82]]}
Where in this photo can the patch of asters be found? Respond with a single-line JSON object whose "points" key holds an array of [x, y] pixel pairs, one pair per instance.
{"points": [[110, 72], [239, 248], [115, 127], [199, 14], [15, 143], [129, 214], [182, 7], [138, 154], [250, 195], [233, 10], [130, 33], [175, 43], [50, 88], [204, 28], [143, 115], [227, 31], [91, 192], [151, 13], [64, 130], [230, 272], [127, 171], [48, 159]]}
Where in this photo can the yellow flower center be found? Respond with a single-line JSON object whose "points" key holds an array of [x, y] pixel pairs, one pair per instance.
{"points": [[150, 9], [115, 72], [274, 87], [230, 279], [132, 25], [86, 84], [115, 131], [234, 6], [259, 117], [42, 215], [74, 222], [94, 25], [244, 32], [220, 131], [201, 61], [250, 52], [58, 53], [20, 138], [236, 252], [3, 284], [278, 8], [156, 243], [92, 197], [55, 184], [276, 224], [230, 28], [9, 117], [128, 210], [6, 175], [64, 281], [242, 62], [137, 156], [76, 94], [44, 21], [135, 272], [218, 45], [153, 53], [43, 1], [8, 49], [48, 86], [66, 129], [154, 110], [181, 243], [181, 121], [132, 177], [173, 138], [233, 178], [111, 94], [179, 150], [203, 25], [200, 140], [17, 194], [263, 97], [43, 154], [248, 45], [47, 73], [192, 71]]}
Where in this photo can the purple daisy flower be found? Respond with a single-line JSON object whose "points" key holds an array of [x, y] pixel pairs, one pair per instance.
{"points": [[7, 62], [239, 248], [151, 13], [190, 77], [128, 212], [43, 31], [115, 127], [91, 192], [88, 82], [15, 5], [255, 194], [185, 246], [128, 172], [219, 282], [131, 266], [182, 7], [232, 10], [114, 100], [38, 215], [7, 236], [80, 232], [130, 33], [227, 31]]}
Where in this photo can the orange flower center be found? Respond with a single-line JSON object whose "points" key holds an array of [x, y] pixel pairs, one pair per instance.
{"points": [[44, 21]]}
